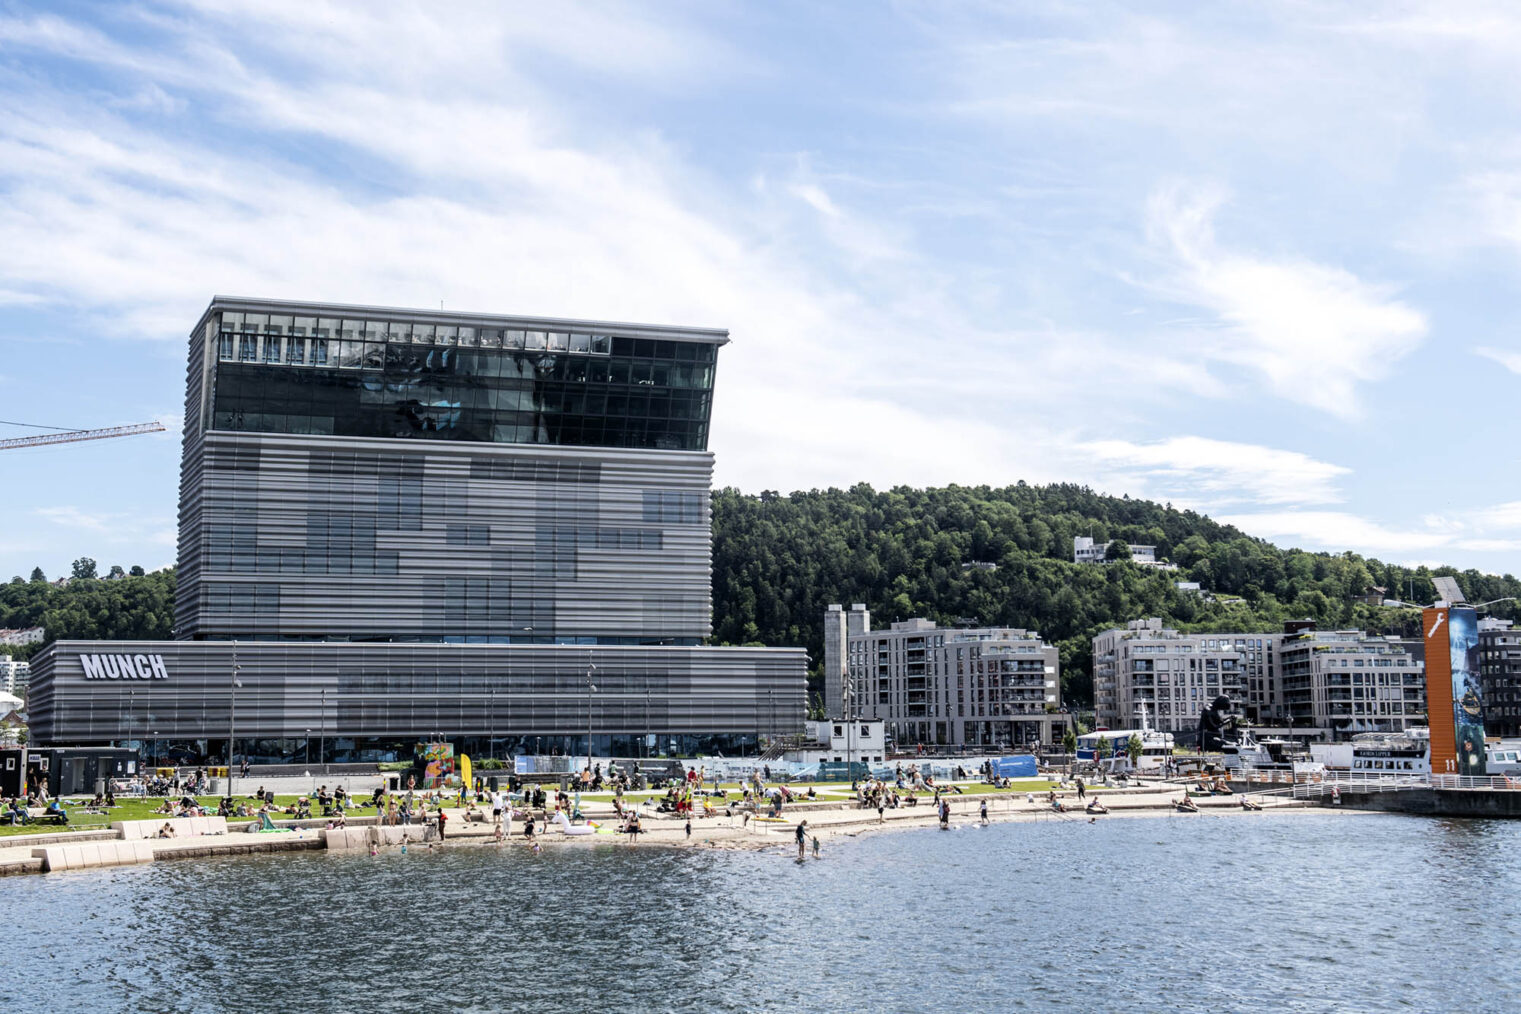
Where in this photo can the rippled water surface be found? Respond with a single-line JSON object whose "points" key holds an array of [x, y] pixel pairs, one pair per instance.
{"points": [[1287, 913]]}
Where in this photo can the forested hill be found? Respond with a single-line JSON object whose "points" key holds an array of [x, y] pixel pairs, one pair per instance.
{"points": [[778, 561], [123, 606]]}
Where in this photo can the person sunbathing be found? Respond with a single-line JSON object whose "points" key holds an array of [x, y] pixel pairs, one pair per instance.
{"points": [[1249, 804], [1094, 806], [1188, 804]]}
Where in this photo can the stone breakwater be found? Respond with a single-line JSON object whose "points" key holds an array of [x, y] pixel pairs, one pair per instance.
{"points": [[133, 842]]}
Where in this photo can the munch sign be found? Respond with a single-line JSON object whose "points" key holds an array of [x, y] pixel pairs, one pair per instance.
{"points": [[124, 667]]}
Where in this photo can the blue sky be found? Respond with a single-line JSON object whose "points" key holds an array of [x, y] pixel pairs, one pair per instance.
{"points": [[1255, 259]]}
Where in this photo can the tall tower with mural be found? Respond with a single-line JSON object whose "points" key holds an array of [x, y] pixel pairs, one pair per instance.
{"points": [[1455, 707]]}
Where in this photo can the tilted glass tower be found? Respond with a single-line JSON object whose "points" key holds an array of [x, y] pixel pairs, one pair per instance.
{"points": [[371, 475]]}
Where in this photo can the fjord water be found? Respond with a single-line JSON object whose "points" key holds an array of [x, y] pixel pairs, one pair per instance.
{"points": [[1263, 912]]}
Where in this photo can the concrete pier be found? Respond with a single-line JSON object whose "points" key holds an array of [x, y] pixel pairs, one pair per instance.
{"points": [[1428, 802]]}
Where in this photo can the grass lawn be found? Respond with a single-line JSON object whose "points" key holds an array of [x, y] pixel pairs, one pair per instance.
{"points": [[132, 808]]}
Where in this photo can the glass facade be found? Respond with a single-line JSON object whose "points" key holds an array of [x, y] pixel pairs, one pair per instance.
{"points": [[373, 378]]}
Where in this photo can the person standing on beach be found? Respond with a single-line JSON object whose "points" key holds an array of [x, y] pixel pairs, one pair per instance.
{"points": [[984, 811], [1081, 790], [443, 818], [802, 836], [689, 829]]}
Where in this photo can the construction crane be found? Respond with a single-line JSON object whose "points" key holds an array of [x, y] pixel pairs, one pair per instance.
{"points": [[70, 436]]}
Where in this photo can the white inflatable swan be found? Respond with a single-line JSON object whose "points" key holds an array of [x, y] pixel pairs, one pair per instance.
{"points": [[566, 827]]}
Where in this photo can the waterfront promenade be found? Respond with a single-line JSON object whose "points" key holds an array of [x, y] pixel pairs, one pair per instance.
{"points": [[828, 818]]}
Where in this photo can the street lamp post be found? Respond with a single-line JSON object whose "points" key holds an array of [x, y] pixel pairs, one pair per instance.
{"points": [[322, 744], [590, 689], [232, 711], [850, 729], [308, 748]]}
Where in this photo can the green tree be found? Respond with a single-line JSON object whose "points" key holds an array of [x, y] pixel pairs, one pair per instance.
{"points": [[136, 571], [84, 567], [116, 572], [38, 577], [1118, 551], [1135, 748]]}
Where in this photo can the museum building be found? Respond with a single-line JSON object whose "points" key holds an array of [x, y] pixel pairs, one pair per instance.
{"points": [[401, 524]]}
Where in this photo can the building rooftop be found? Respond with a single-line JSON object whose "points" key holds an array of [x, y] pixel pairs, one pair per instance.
{"points": [[458, 318]]}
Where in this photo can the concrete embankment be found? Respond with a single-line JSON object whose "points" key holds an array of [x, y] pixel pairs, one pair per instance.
{"points": [[1493, 803]]}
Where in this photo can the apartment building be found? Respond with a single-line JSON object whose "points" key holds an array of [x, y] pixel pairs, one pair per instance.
{"points": [[1337, 683], [1500, 676], [958, 687], [1177, 675]]}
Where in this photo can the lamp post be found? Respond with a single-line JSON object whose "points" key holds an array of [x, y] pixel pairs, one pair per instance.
{"points": [[232, 711], [491, 718], [590, 689], [308, 748], [322, 744], [850, 729]]}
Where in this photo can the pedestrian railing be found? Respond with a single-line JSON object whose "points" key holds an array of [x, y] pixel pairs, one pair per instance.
{"points": [[1475, 782], [1334, 783]]}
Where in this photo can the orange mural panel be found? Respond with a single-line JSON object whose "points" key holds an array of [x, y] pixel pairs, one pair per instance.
{"points": [[1444, 747]]}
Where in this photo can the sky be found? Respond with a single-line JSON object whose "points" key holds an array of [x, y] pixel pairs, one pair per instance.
{"points": [[1258, 259]]}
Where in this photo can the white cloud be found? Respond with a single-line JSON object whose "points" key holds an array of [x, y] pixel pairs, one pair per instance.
{"points": [[1506, 358], [1485, 530], [1314, 332], [1336, 531], [112, 528], [1217, 472]]}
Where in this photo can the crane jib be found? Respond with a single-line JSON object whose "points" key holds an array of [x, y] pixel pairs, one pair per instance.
{"points": [[71, 436]]}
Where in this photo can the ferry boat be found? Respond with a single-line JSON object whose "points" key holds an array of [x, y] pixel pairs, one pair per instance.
{"points": [[1108, 748], [1503, 758], [1261, 756], [1392, 753]]}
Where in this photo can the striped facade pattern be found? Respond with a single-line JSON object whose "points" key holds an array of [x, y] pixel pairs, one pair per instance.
{"points": [[378, 690], [364, 539]]}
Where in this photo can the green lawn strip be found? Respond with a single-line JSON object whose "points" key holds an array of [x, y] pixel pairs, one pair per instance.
{"points": [[133, 808]]}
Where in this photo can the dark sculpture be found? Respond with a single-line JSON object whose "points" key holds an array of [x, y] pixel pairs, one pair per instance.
{"points": [[1217, 725]]}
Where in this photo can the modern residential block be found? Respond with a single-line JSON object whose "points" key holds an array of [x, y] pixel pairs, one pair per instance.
{"points": [[1500, 676], [959, 687]]}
